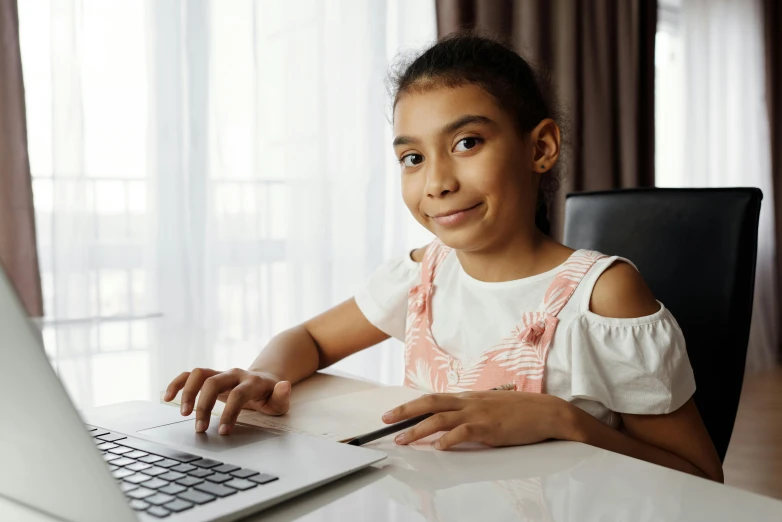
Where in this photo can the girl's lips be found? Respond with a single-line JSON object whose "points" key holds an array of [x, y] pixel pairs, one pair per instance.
{"points": [[457, 218]]}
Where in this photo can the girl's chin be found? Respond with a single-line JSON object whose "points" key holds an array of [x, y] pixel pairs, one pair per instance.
{"points": [[462, 238]]}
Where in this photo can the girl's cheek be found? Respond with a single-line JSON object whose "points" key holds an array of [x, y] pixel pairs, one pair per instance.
{"points": [[411, 193]]}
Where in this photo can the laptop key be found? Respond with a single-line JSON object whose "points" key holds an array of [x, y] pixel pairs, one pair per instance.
{"points": [[111, 437], [120, 450], [113, 468], [218, 478], [106, 446], [183, 468], [138, 466], [140, 493], [108, 457], [138, 505], [127, 486], [172, 489], [165, 463], [159, 449], [98, 433], [171, 476], [217, 490], [225, 468], [159, 499], [178, 505], [154, 471], [156, 483], [263, 478], [122, 473], [206, 463], [196, 497], [123, 461], [136, 454], [152, 459], [243, 473], [189, 481], [138, 478], [241, 484], [158, 511], [200, 473]]}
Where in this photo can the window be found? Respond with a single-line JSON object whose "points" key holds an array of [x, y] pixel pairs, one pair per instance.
{"points": [[669, 95]]}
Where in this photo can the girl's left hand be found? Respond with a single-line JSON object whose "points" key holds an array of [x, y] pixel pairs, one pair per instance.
{"points": [[495, 418]]}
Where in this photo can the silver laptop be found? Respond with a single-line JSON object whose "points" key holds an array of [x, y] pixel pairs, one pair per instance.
{"points": [[138, 460]]}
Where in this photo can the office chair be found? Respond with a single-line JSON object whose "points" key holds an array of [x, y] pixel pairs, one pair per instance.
{"points": [[696, 249]]}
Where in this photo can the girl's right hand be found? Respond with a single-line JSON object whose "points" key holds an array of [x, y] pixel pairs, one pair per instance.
{"points": [[237, 388]]}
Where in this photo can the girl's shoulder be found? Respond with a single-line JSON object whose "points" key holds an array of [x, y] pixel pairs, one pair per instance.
{"points": [[418, 254], [621, 292]]}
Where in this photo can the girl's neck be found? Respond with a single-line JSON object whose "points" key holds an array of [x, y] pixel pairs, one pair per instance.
{"points": [[523, 256]]}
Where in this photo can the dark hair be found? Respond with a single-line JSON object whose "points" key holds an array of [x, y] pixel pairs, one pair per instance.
{"points": [[469, 57]]}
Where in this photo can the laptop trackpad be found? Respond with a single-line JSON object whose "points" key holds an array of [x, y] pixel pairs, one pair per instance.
{"points": [[183, 433]]}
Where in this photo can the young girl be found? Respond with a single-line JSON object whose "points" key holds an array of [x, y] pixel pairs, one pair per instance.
{"points": [[493, 301]]}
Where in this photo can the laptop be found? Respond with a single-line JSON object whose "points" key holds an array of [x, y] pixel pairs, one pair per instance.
{"points": [[139, 460]]}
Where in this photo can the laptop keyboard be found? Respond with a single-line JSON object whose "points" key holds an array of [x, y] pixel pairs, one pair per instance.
{"points": [[162, 481]]}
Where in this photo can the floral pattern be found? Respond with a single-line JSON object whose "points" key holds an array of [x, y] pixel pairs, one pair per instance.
{"points": [[520, 358]]}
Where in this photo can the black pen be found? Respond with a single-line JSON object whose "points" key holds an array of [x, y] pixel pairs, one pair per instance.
{"points": [[403, 425]]}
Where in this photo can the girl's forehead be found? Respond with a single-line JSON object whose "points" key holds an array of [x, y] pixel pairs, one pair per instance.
{"points": [[420, 109]]}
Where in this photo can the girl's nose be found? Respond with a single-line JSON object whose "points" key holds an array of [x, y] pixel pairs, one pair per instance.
{"points": [[440, 179]]}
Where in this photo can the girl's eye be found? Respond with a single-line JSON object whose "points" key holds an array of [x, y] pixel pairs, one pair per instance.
{"points": [[411, 160], [466, 144]]}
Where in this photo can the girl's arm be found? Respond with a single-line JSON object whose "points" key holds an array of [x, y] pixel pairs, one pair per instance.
{"points": [[677, 440], [297, 353], [291, 356]]}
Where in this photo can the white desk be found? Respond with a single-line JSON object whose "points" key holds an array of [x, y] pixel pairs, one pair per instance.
{"points": [[558, 481]]}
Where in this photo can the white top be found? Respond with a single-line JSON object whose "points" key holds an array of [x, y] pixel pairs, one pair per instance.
{"points": [[602, 365]]}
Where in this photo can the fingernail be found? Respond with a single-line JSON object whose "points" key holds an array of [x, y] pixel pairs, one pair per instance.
{"points": [[387, 416], [200, 426], [185, 408], [437, 444], [223, 429], [400, 439], [166, 397]]}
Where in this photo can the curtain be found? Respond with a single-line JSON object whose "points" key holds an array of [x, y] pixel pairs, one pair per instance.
{"points": [[772, 21], [600, 55], [719, 133], [18, 254], [223, 165]]}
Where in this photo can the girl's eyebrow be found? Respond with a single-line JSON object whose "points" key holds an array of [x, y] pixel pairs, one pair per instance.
{"points": [[449, 128]]}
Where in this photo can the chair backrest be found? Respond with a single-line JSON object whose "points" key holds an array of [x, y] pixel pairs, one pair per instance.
{"points": [[696, 249]]}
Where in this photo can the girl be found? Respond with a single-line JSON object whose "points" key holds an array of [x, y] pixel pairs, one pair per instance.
{"points": [[493, 300]]}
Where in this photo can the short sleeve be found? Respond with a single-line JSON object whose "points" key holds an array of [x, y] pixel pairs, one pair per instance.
{"points": [[383, 300], [637, 366]]}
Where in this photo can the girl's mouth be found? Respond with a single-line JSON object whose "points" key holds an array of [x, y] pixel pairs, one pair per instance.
{"points": [[455, 218]]}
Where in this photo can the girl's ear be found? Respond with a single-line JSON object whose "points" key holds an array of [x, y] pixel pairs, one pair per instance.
{"points": [[546, 141]]}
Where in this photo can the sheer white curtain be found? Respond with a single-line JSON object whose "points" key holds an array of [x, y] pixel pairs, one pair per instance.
{"points": [[226, 165], [712, 125]]}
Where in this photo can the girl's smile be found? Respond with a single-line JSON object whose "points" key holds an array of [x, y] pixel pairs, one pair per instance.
{"points": [[454, 218]]}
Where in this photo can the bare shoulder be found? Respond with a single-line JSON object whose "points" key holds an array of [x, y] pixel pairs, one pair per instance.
{"points": [[621, 292], [417, 255]]}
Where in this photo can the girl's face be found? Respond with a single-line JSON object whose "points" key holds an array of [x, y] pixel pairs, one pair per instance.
{"points": [[467, 174]]}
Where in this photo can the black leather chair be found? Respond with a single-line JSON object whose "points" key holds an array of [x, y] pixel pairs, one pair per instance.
{"points": [[696, 248]]}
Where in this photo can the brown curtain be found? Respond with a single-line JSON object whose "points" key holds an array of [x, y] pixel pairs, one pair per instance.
{"points": [[18, 253], [600, 55], [772, 20]]}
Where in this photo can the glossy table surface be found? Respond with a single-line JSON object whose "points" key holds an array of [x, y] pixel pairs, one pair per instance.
{"points": [[555, 481]]}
